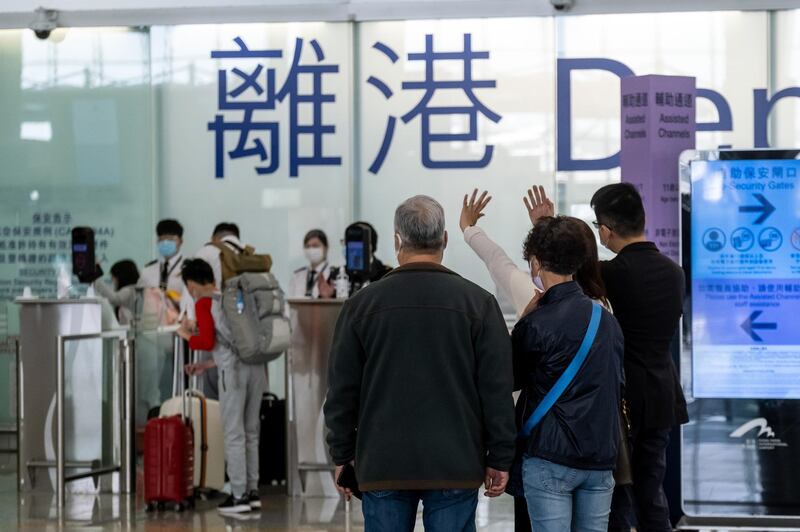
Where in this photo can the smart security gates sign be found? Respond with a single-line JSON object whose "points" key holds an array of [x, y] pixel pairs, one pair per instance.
{"points": [[745, 275]]}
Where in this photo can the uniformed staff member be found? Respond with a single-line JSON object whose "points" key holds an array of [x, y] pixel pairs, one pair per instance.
{"points": [[165, 271], [154, 352], [313, 281]]}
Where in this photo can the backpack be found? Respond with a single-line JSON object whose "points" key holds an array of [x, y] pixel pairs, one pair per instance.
{"points": [[236, 260], [253, 305]]}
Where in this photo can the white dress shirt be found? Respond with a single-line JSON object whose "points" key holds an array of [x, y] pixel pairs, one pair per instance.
{"points": [[299, 280]]}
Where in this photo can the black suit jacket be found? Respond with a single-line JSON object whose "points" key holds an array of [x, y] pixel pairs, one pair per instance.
{"points": [[646, 290]]}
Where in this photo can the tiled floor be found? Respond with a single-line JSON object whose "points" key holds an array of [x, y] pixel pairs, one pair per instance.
{"points": [[112, 513]]}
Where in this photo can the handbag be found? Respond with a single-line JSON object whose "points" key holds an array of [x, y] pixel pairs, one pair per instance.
{"points": [[515, 486], [623, 473]]}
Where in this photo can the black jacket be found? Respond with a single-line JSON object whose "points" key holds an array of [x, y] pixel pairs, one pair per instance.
{"points": [[646, 291], [582, 429], [420, 383]]}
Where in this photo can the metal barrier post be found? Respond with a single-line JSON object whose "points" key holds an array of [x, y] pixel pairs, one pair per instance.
{"points": [[60, 481], [128, 451]]}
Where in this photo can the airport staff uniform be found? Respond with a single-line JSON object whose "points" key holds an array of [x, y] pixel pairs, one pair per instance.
{"points": [[154, 367], [304, 282], [241, 388], [164, 274]]}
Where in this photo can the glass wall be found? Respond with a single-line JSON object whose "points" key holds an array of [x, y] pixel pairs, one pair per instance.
{"points": [[286, 127], [448, 106], [76, 146]]}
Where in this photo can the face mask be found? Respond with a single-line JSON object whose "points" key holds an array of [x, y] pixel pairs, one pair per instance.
{"points": [[537, 280], [167, 248], [314, 255]]}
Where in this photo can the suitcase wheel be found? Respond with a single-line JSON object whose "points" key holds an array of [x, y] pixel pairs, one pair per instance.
{"points": [[151, 507], [178, 507], [160, 506]]}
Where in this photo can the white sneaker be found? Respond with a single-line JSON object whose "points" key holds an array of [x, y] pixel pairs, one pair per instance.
{"points": [[234, 506]]}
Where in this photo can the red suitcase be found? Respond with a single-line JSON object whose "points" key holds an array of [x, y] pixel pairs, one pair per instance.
{"points": [[168, 463]]}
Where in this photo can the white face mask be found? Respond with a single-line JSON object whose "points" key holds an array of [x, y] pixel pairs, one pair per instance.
{"points": [[314, 255], [537, 280]]}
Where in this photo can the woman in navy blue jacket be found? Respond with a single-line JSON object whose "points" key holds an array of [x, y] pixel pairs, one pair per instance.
{"points": [[570, 455]]}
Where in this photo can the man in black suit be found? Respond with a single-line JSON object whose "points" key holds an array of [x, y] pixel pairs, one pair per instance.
{"points": [[646, 291]]}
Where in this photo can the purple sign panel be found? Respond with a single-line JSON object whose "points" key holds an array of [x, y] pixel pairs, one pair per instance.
{"points": [[658, 123]]}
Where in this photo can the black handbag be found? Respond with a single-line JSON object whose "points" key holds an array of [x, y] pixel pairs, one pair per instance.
{"points": [[623, 473]]}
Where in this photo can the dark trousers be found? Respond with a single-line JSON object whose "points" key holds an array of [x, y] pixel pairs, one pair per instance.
{"points": [[646, 497]]}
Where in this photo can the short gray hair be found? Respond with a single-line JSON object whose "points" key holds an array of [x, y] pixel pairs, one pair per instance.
{"points": [[420, 223]]}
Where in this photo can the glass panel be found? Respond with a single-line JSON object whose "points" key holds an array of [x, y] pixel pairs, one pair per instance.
{"points": [[75, 141], [470, 104], [292, 170], [273, 208], [783, 125], [92, 408], [726, 51]]}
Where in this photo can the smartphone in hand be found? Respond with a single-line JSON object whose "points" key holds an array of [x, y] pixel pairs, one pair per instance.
{"points": [[348, 480]]}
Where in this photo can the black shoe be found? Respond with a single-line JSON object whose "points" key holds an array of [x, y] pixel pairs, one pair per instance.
{"points": [[254, 499], [234, 506]]}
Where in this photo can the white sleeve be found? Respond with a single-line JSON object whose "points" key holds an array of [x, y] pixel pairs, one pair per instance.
{"points": [[149, 276], [515, 283], [187, 305], [117, 298]]}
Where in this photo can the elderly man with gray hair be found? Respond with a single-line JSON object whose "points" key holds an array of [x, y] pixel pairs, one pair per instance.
{"points": [[420, 389]]}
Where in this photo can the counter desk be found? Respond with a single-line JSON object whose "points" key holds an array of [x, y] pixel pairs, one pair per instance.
{"points": [[310, 469]]}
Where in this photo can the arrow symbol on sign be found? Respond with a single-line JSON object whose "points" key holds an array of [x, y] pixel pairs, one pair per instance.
{"points": [[750, 326], [766, 208]]}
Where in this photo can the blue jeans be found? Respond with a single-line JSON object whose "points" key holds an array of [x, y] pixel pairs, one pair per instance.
{"points": [[561, 498], [442, 510]]}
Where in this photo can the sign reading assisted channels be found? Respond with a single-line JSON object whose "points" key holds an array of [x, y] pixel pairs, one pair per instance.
{"points": [[746, 278]]}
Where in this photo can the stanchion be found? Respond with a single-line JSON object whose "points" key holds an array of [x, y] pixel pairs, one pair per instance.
{"points": [[128, 451], [60, 481]]}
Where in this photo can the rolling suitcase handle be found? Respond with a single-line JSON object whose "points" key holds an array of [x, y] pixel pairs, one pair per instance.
{"points": [[203, 433]]}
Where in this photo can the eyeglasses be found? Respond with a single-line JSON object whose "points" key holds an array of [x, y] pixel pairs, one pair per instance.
{"points": [[598, 225]]}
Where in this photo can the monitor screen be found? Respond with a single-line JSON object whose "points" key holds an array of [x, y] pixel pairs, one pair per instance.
{"points": [[355, 256], [745, 278]]}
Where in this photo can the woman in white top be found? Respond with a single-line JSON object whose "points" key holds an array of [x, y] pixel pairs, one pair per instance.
{"points": [[313, 280], [515, 282]]}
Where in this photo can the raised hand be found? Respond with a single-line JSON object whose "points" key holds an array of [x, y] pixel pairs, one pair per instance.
{"points": [[538, 204], [473, 207]]}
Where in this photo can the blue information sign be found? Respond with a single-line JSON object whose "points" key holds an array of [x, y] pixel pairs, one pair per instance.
{"points": [[745, 268]]}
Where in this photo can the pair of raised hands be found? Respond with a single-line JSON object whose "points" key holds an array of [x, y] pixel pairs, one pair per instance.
{"points": [[537, 204]]}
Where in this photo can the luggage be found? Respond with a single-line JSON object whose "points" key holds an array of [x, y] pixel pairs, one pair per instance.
{"points": [[254, 307], [272, 441], [168, 463], [209, 449]]}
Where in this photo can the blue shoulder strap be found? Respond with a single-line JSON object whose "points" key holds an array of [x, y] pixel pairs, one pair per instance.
{"points": [[567, 377]]}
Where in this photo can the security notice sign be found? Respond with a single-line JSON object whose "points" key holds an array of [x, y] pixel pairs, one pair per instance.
{"points": [[745, 236]]}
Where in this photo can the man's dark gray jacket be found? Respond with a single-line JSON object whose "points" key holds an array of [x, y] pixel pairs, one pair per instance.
{"points": [[420, 383]]}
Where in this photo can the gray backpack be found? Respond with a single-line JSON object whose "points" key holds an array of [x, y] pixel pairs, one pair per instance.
{"points": [[254, 305]]}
